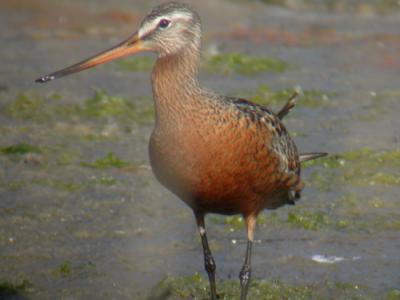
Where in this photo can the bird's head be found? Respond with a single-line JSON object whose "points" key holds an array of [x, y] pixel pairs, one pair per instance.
{"points": [[170, 27], [166, 30]]}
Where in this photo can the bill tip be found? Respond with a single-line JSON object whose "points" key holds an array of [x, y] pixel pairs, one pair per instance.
{"points": [[45, 78]]}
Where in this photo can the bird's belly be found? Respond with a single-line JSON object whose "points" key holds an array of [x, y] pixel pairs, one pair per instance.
{"points": [[219, 178]]}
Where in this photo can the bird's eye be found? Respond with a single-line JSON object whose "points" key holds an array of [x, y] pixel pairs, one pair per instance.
{"points": [[164, 23]]}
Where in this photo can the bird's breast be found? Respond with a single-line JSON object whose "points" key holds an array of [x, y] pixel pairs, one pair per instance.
{"points": [[214, 167]]}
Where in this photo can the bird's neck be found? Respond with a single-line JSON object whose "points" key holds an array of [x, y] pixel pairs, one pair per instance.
{"points": [[175, 83]]}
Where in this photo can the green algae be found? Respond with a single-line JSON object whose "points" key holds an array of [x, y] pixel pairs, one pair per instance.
{"points": [[236, 222], [316, 220], [308, 220], [197, 287], [59, 184], [67, 158], [110, 160], [393, 295], [360, 167], [136, 64], [56, 96], [29, 106], [309, 98], [12, 185], [369, 213], [9, 289], [103, 105], [20, 149], [68, 269], [23, 152], [375, 157], [244, 64], [379, 178], [45, 109], [92, 234], [64, 269]]}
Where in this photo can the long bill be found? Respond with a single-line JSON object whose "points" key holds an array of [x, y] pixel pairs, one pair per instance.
{"points": [[130, 46]]}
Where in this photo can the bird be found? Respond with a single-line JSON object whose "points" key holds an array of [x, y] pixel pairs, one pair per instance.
{"points": [[218, 154]]}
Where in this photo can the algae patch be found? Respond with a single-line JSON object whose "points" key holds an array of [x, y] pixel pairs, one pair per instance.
{"points": [[103, 105], [393, 295], [13, 185], [64, 269], [357, 167], [20, 149], [67, 269], [9, 289], [57, 184], [313, 220], [369, 213], [197, 287], [236, 222], [26, 152], [28, 106], [244, 64], [110, 160], [45, 109]]}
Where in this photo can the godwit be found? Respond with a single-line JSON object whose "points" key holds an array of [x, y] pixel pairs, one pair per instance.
{"points": [[218, 154]]}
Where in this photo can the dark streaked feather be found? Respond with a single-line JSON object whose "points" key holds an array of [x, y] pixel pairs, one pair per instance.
{"points": [[288, 106]]}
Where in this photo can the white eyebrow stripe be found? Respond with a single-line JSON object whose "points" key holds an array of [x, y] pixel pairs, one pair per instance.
{"points": [[180, 15], [153, 25], [149, 27]]}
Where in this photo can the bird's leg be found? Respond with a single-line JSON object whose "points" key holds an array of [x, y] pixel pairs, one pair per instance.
{"points": [[209, 262], [245, 273]]}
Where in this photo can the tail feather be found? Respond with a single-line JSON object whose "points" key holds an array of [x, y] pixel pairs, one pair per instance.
{"points": [[288, 106], [309, 156]]}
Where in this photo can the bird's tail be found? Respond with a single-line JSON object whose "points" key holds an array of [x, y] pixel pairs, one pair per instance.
{"points": [[309, 156]]}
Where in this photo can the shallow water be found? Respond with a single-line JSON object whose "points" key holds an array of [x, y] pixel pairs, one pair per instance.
{"points": [[81, 215]]}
